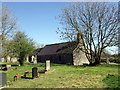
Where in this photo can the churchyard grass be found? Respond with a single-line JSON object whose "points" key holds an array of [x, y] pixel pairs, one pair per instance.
{"points": [[66, 76]]}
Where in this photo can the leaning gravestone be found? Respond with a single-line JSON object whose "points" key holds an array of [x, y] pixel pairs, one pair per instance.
{"points": [[34, 72], [47, 65], [2, 79]]}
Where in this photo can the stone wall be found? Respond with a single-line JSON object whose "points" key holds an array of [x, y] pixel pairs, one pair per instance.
{"points": [[58, 58], [79, 57]]}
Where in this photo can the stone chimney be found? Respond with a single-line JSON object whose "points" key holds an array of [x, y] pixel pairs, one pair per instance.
{"points": [[79, 38]]}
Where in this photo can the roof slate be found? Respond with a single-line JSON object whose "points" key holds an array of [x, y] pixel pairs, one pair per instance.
{"points": [[59, 48]]}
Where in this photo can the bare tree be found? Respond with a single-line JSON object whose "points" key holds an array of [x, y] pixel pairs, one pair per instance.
{"points": [[7, 27], [94, 25], [39, 45]]}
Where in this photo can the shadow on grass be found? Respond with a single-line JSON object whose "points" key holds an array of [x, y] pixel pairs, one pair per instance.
{"points": [[29, 63], [69, 65], [110, 65], [14, 65], [41, 65], [26, 77], [52, 64], [63, 65], [112, 81]]}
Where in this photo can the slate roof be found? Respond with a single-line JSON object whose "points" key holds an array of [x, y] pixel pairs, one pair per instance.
{"points": [[36, 51], [58, 48]]}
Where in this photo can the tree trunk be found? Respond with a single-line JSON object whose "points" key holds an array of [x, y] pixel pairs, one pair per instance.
{"points": [[91, 64], [97, 60], [21, 62], [5, 59], [21, 59]]}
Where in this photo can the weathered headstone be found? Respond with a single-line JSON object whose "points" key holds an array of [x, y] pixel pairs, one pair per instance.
{"points": [[14, 59], [8, 58], [3, 80], [35, 60], [27, 59], [107, 61], [32, 58], [2, 59], [34, 72], [8, 67], [47, 65]]}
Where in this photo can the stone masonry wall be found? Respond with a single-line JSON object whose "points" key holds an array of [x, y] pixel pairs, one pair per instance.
{"points": [[79, 57]]}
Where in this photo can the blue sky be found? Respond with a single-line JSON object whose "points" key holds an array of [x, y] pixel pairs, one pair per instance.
{"points": [[37, 20]]}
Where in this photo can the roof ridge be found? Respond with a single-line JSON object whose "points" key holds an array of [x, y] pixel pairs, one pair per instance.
{"points": [[59, 43]]}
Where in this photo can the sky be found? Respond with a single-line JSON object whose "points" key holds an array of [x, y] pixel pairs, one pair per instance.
{"points": [[38, 20]]}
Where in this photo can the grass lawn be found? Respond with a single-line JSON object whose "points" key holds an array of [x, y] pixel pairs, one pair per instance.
{"points": [[67, 76]]}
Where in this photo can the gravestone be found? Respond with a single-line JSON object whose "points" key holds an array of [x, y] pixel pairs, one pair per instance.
{"points": [[3, 80], [32, 58], [27, 59], [35, 60], [8, 67], [47, 65], [8, 58], [2, 59], [34, 72], [107, 61]]}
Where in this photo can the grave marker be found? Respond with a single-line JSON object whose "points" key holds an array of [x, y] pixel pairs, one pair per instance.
{"points": [[107, 61], [27, 59], [3, 80], [8, 67], [35, 60], [47, 65], [32, 58], [34, 72]]}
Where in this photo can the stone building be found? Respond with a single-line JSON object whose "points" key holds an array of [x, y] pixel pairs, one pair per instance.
{"points": [[62, 53]]}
